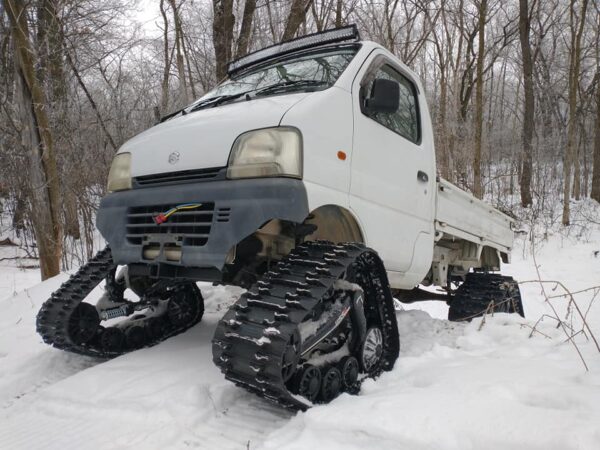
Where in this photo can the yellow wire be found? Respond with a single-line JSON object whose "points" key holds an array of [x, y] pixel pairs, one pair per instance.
{"points": [[174, 210]]}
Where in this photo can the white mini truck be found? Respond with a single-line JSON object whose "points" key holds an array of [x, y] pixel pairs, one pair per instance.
{"points": [[307, 177]]}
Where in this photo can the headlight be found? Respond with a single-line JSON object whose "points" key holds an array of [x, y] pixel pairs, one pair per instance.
{"points": [[119, 177], [270, 152]]}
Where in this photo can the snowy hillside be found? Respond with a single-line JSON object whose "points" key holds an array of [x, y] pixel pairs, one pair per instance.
{"points": [[455, 386]]}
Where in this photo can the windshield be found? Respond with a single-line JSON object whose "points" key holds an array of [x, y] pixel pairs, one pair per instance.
{"points": [[314, 71]]}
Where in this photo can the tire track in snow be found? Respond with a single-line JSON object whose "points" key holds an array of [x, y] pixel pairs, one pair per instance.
{"points": [[168, 396], [235, 420], [244, 424], [23, 375]]}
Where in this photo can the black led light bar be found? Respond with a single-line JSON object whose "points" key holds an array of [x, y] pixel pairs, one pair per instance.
{"points": [[349, 33]]}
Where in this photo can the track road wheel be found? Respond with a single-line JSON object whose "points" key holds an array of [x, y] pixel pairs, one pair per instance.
{"points": [[135, 336], [112, 339], [309, 383], [83, 323], [331, 385], [371, 350], [155, 327], [349, 369]]}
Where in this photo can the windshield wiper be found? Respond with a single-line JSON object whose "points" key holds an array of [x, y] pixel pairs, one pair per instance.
{"points": [[169, 116], [214, 101], [289, 85]]}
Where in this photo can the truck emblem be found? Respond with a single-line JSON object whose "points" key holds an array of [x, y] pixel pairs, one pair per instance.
{"points": [[174, 158]]}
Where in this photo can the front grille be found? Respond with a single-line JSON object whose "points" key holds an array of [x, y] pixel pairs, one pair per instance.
{"points": [[184, 176], [192, 227]]}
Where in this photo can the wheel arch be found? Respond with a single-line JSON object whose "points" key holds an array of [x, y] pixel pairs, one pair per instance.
{"points": [[335, 224]]}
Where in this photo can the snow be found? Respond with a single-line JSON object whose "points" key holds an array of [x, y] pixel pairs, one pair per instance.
{"points": [[491, 385]]}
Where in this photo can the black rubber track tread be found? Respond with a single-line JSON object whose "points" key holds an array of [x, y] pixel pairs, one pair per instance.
{"points": [[472, 298], [53, 317], [249, 341]]}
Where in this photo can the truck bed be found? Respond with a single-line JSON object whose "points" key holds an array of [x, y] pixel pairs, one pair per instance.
{"points": [[463, 216]]}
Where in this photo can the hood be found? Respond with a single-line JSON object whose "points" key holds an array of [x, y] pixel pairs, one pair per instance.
{"points": [[203, 139]]}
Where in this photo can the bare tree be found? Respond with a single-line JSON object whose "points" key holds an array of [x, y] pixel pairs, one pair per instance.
{"points": [[576, 27], [595, 194], [37, 140], [295, 18], [528, 114], [477, 184], [164, 102], [246, 29], [223, 23], [180, 48]]}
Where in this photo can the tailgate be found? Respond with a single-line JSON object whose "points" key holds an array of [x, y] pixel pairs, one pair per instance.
{"points": [[460, 214]]}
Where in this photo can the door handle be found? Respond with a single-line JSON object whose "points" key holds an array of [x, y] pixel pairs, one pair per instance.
{"points": [[422, 176]]}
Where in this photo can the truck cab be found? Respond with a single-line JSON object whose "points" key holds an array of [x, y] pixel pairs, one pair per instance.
{"points": [[307, 138]]}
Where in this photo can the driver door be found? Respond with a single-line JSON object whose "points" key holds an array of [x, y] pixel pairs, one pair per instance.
{"points": [[393, 171]]}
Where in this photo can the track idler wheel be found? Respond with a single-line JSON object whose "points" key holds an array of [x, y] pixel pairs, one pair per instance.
{"points": [[112, 340], [349, 369], [83, 323], [331, 385], [309, 383], [182, 307], [371, 350]]}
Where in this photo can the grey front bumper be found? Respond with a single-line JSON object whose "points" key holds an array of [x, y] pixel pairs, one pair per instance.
{"points": [[245, 204]]}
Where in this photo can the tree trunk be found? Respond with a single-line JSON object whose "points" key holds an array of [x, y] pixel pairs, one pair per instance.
{"points": [[574, 64], [477, 185], [54, 63], [338, 13], [183, 89], [93, 104], [164, 98], [70, 212], [36, 135], [529, 105], [596, 164], [295, 18], [577, 167], [444, 168], [223, 21], [246, 29]]}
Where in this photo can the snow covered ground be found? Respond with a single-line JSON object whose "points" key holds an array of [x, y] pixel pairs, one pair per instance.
{"points": [[455, 386]]}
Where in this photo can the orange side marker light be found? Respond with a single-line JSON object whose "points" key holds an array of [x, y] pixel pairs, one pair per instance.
{"points": [[341, 155]]}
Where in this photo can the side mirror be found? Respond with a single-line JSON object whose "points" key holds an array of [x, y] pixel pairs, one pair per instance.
{"points": [[385, 97]]}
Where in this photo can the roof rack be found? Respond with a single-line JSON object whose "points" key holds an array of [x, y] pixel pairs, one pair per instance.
{"points": [[343, 34]]}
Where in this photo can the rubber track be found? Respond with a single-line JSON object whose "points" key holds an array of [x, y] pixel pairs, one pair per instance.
{"points": [[473, 297], [53, 317], [250, 340]]}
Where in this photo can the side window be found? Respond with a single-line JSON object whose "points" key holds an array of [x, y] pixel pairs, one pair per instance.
{"points": [[405, 121]]}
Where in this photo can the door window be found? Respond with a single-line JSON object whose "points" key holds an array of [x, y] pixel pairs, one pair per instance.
{"points": [[405, 121]]}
